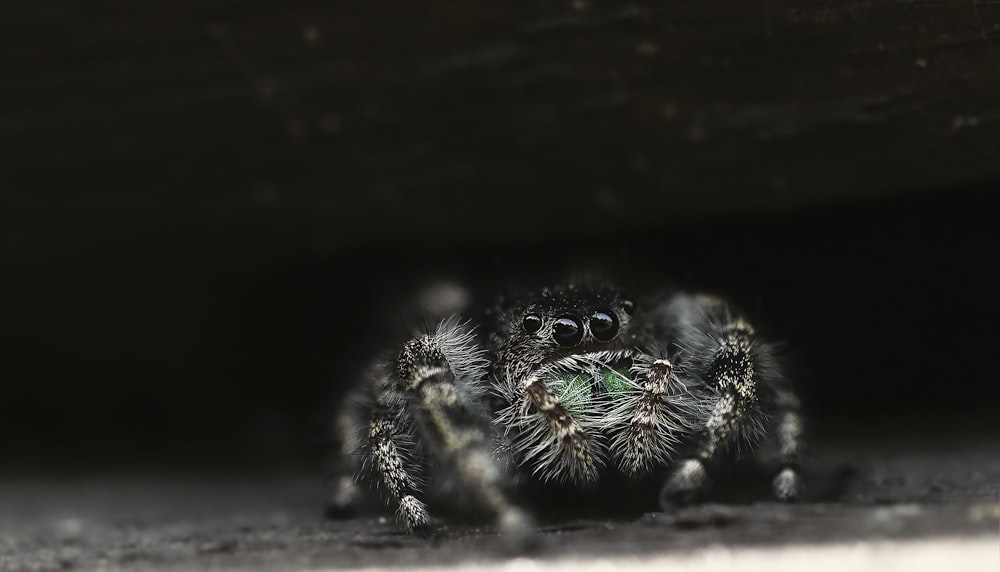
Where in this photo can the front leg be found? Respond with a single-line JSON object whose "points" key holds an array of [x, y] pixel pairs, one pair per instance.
{"points": [[788, 438], [439, 396], [343, 494], [690, 478], [729, 364], [393, 463]]}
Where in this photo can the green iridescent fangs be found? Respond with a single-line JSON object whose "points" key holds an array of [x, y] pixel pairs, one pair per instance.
{"points": [[614, 380], [571, 383]]}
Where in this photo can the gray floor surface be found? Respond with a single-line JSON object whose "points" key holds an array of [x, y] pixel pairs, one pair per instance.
{"points": [[127, 521]]}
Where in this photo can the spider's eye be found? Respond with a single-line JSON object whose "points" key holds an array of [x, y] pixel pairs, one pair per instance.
{"points": [[567, 331], [531, 323], [628, 306], [604, 325]]}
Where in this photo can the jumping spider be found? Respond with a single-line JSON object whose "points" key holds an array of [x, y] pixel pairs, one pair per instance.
{"points": [[566, 387]]}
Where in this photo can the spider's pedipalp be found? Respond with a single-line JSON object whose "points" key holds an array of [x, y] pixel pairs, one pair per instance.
{"points": [[647, 425], [556, 424]]}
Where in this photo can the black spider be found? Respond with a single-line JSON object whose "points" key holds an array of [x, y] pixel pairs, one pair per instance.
{"points": [[567, 386]]}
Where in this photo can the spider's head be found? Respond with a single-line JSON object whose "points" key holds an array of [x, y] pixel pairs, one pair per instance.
{"points": [[570, 317], [569, 329]]}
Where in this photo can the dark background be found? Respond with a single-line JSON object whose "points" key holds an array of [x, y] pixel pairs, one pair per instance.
{"points": [[209, 209]]}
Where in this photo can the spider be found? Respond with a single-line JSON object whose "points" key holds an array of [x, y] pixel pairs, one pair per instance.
{"points": [[566, 386]]}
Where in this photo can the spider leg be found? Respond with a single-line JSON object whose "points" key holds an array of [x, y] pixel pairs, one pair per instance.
{"points": [[731, 368], [388, 448], [788, 437], [690, 478], [343, 492], [390, 459], [454, 431]]}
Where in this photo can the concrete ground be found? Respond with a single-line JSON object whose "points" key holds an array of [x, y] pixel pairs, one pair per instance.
{"points": [[873, 506]]}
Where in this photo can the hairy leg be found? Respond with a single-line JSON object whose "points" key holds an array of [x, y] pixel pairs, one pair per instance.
{"points": [[343, 493], [788, 438], [725, 358], [452, 429], [392, 461]]}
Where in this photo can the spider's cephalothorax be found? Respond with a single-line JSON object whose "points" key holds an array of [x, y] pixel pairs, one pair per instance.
{"points": [[564, 387]]}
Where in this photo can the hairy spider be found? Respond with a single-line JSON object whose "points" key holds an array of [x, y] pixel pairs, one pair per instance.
{"points": [[568, 386]]}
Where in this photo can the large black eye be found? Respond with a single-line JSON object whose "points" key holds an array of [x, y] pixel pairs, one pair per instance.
{"points": [[567, 331], [531, 323], [604, 325]]}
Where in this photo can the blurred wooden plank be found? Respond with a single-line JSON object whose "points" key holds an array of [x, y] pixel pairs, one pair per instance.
{"points": [[366, 121]]}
